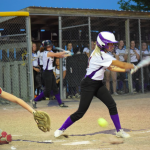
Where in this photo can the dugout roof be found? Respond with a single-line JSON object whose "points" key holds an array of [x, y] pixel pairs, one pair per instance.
{"points": [[47, 18]]}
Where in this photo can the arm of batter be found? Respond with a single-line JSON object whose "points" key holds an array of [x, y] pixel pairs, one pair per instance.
{"points": [[122, 65]]}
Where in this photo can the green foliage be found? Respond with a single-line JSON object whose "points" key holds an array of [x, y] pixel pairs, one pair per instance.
{"points": [[137, 5]]}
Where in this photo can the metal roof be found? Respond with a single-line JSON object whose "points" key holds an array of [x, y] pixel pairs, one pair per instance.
{"points": [[56, 11], [86, 9]]}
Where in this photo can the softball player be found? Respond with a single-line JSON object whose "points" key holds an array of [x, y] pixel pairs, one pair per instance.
{"points": [[145, 54], [4, 137], [36, 69], [48, 76], [134, 58], [86, 49], [56, 71], [111, 74], [40, 57], [92, 84], [120, 52], [40, 63]]}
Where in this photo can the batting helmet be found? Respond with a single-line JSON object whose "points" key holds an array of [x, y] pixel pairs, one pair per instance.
{"points": [[104, 38], [47, 43]]}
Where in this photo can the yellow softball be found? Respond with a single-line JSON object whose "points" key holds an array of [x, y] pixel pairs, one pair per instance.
{"points": [[102, 122]]}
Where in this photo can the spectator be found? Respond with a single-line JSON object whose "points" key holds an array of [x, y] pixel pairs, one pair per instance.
{"points": [[145, 69], [134, 58], [71, 89], [36, 69], [40, 57], [86, 49], [93, 45], [40, 62], [120, 52], [112, 74], [56, 71], [69, 48]]}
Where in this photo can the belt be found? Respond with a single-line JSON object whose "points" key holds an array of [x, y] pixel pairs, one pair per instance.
{"points": [[48, 70]]}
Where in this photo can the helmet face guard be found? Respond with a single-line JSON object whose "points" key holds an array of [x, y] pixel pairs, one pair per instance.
{"points": [[104, 38]]}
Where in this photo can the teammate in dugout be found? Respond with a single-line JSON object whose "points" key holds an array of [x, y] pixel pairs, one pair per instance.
{"points": [[92, 84], [48, 75]]}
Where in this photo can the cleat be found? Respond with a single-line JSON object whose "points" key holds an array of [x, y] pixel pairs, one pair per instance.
{"points": [[6, 139], [69, 96], [73, 97], [115, 93], [33, 103], [63, 105], [2, 134], [47, 98], [77, 95], [122, 134], [58, 133]]}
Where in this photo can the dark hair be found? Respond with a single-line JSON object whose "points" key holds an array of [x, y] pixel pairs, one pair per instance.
{"points": [[42, 49], [68, 43], [56, 58], [54, 63], [121, 40], [33, 43], [32, 47]]}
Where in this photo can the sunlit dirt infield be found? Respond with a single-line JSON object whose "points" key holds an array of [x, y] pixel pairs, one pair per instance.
{"points": [[85, 134]]}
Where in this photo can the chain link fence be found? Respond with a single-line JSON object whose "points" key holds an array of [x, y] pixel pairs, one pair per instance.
{"points": [[75, 38], [79, 36], [145, 52], [133, 53], [14, 66]]}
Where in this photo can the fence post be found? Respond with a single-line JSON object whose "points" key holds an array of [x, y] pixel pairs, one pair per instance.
{"points": [[127, 34], [142, 79], [29, 52], [89, 25], [60, 61]]}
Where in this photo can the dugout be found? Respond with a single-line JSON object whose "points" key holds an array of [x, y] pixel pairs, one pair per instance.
{"points": [[76, 25], [79, 26]]}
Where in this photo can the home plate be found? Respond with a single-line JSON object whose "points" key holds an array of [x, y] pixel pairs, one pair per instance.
{"points": [[78, 143]]}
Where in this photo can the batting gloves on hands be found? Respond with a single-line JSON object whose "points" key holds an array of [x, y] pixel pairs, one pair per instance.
{"points": [[134, 69]]}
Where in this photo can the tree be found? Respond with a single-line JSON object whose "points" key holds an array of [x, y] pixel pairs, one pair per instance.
{"points": [[139, 5]]}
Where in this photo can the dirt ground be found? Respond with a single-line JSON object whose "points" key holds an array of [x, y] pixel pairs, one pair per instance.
{"points": [[85, 134]]}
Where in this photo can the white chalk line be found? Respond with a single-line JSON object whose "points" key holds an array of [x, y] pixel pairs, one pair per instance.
{"points": [[142, 132], [78, 143]]}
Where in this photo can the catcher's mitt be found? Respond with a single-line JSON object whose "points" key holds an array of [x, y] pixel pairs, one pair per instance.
{"points": [[43, 120]]}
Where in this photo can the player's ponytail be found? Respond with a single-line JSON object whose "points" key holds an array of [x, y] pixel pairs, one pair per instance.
{"points": [[97, 51]]}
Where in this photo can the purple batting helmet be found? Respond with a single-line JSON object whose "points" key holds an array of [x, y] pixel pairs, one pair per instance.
{"points": [[104, 38]]}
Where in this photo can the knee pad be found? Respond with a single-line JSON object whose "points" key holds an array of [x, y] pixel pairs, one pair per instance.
{"points": [[1, 90]]}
